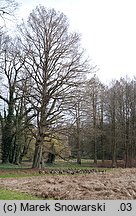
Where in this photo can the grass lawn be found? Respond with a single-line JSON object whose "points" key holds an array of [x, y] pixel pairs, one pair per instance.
{"points": [[13, 166], [15, 195], [24, 170]]}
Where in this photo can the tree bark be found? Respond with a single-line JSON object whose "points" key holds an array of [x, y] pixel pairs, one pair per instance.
{"points": [[38, 152]]}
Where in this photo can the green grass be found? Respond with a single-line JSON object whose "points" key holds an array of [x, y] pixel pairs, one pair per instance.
{"points": [[12, 166], [19, 171], [15, 195], [86, 163]]}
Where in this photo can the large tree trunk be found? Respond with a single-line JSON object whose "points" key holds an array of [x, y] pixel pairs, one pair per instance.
{"points": [[38, 153]]}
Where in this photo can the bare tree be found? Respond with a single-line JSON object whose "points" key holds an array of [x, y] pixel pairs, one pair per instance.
{"points": [[55, 62], [10, 67], [76, 111], [121, 114], [94, 112], [7, 8], [7, 12]]}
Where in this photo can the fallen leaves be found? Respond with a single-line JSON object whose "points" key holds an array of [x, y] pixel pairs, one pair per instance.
{"points": [[116, 184]]}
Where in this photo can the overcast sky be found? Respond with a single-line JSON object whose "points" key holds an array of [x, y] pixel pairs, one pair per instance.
{"points": [[108, 29]]}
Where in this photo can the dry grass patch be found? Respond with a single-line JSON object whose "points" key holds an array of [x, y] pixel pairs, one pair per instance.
{"points": [[117, 184]]}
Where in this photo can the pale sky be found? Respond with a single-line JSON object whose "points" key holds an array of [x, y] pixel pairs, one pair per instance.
{"points": [[108, 29]]}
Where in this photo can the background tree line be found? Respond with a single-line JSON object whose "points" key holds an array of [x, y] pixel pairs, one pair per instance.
{"points": [[107, 130]]}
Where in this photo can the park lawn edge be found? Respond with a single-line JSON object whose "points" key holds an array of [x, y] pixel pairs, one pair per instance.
{"points": [[7, 194]]}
